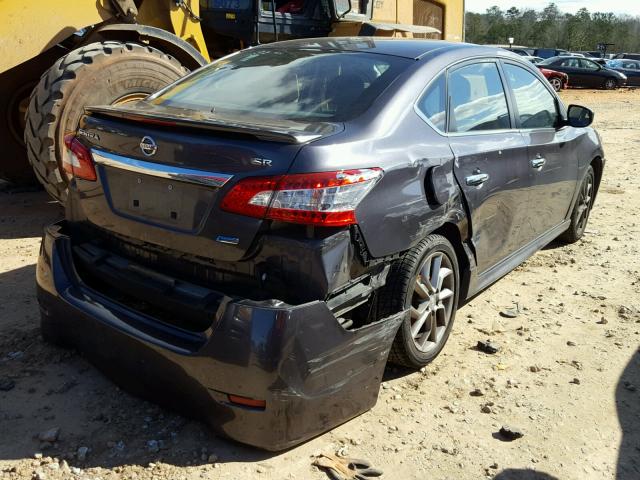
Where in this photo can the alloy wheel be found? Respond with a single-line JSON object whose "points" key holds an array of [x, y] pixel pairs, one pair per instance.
{"points": [[432, 301], [556, 83], [584, 203], [610, 84]]}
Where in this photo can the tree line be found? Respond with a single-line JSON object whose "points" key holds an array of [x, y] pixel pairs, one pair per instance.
{"points": [[550, 28]]}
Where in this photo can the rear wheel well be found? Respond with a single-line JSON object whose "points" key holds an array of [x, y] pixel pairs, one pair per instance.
{"points": [[163, 40], [596, 163], [452, 233]]}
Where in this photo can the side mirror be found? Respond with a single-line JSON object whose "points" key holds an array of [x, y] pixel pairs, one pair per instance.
{"points": [[578, 116]]}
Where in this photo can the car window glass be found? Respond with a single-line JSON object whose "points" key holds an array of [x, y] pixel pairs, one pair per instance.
{"points": [[571, 62], [588, 64], [433, 103], [477, 99], [536, 105]]}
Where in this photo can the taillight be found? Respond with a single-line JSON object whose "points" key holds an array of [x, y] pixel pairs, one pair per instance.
{"points": [[247, 402], [78, 161], [323, 199]]}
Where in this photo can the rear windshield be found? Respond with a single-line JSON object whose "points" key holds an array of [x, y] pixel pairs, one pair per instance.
{"points": [[291, 84]]}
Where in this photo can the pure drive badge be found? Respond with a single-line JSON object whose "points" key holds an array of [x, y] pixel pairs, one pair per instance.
{"points": [[148, 146]]}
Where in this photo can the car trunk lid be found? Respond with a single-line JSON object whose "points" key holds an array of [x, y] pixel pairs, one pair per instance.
{"points": [[163, 174]]}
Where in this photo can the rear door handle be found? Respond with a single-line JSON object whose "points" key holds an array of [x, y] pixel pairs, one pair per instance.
{"points": [[538, 162], [477, 179]]}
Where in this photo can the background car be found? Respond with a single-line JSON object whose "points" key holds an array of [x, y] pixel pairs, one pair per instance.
{"points": [[558, 80], [549, 52], [584, 72], [630, 68], [524, 52], [631, 56]]}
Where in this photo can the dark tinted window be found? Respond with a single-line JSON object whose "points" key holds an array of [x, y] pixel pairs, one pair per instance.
{"points": [[433, 103], [551, 61], [286, 84], [536, 105], [477, 98], [571, 62], [588, 64]]}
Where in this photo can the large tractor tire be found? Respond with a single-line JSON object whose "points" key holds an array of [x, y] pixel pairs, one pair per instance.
{"points": [[103, 73], [16, 86]]}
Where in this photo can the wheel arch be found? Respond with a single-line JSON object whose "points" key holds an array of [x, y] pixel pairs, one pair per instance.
{"points": [[598, 166], [155, 37]]}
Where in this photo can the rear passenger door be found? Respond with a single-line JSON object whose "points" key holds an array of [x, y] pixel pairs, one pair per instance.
{"points": [[552, 162], [571, 66], [491, 162]]}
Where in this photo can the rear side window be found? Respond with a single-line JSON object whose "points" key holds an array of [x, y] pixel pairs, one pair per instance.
{"points": [[433, 104], [536, 105], [571, 62], [477, 99]]}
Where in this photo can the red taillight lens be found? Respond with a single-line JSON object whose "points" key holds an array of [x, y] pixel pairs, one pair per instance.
{"points": [[259, 189], [323, 199], [78, 161], [247, 402]]}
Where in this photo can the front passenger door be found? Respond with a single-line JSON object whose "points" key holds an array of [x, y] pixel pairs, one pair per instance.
{"points": [[491, 164], [553, 164], [590, 72]]}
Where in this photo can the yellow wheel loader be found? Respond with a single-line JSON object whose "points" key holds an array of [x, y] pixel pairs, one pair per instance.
{"points": [[58, 57]]}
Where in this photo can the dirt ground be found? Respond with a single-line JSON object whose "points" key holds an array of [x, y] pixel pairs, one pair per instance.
{"points": [[567, 374]]}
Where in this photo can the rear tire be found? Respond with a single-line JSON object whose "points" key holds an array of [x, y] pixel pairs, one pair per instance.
{"points": [[556, 83], [96, 74], [610, 84], [407, 285], [582, 209]]}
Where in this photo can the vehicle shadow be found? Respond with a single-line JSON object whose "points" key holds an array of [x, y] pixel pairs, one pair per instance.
{"points": [[520, 474], [628, 406], [554, 244], [24, 213]]}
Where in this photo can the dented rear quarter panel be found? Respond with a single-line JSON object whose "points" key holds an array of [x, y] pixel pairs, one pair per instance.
{"points": [[413, 156]]}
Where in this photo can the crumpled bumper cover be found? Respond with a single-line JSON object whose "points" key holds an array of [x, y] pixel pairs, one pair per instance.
{"points": [[312, 373]]}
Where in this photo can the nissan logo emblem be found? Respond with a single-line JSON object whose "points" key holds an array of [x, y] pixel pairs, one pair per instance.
{"points": [[148, 146]]}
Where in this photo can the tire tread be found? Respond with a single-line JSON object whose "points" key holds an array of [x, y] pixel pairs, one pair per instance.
{"points": [[391, 298], [47, 102]]}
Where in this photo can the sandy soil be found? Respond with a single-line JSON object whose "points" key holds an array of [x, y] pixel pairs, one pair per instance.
{"points": [[567, 374]]}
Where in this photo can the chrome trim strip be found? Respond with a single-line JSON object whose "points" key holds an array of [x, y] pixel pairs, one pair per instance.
{"points": [[180, 174]]}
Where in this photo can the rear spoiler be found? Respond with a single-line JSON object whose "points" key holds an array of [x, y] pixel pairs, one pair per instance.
{"points": [[262, 131]]}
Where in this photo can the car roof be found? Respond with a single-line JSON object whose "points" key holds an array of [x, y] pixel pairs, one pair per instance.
{"points": [[568, 57], [401, 47]]}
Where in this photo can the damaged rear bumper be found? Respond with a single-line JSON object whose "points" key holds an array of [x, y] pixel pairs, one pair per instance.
{"points": [[311, 373]]}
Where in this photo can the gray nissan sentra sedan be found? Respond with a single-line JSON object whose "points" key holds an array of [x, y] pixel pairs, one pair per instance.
{"points": [[254, 242]]}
